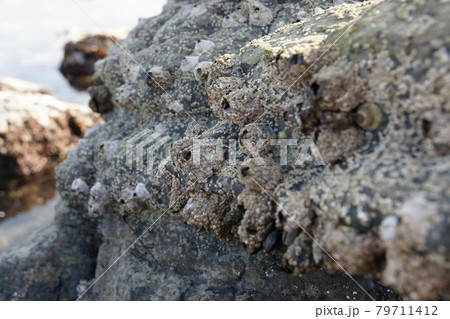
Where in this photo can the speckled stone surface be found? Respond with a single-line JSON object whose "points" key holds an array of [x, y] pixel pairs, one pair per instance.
{"points": [[364, 84]]}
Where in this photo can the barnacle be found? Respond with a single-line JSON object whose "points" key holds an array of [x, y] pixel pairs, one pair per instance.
{"points": [[109, 149], [259, 14], [141, 192], [199, 157], [208, 212], [294, 213], [100, 99], [80, 187], [100, 194], [201, 71], [299, 255], [126, 195], [256, 138], [231, 100], [258, 219], [95, 210], [337, 120], [337, 87], [289, 66], [188, 63], [135, 200], [202, 46], [263, 176], [159, 79]]}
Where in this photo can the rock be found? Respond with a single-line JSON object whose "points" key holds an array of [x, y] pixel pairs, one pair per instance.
{"points": [[36, 130], [376, 204], [50, 263], [80, 57]]}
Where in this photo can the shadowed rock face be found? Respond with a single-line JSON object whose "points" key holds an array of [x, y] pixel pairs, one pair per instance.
{"points": [[374, 106]]}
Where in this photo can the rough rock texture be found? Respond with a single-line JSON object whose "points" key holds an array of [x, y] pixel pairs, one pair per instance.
{"points": [[49, 265], [215, 81], [36, 129], [80, 56]]}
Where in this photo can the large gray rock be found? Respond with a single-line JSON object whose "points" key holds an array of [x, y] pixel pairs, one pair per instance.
{"points": [[373, 102]]}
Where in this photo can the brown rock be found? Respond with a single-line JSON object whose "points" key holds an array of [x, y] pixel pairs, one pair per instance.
{"points": [[80, 57], [36, 129]]}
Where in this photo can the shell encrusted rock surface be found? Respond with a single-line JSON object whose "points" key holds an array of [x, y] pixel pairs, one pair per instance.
{"points": [[205, 157]]}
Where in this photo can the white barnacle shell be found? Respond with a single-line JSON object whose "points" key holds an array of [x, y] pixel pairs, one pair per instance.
{"points": [[141, 192], [229, 22], [99, 193], [203, 46], [133, 74], [95, 210], [188, 63], [260, 15], [194, 10], [126, 195], [201, 71], [80, 187], [176, 107], [158, 72]]}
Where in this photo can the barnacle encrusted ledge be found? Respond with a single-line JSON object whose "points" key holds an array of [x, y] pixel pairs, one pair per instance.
{"points": [[364, 89]]}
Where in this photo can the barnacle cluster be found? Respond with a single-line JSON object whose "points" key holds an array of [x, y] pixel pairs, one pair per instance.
{"points": [[230, 98]]}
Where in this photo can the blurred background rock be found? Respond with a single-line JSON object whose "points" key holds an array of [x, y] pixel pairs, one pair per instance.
{"points": [[36, 36]]}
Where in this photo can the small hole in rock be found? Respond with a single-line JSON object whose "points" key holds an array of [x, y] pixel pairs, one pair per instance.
{"points": [[244, 171], [426, 127], [315, 87], [225, 104]]}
